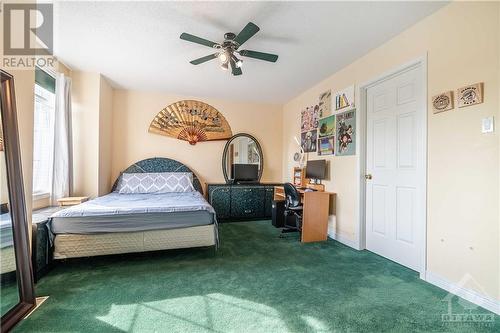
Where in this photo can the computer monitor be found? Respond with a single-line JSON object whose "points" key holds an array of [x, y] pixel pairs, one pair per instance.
{"points": [[316, 169], [245, 172]]}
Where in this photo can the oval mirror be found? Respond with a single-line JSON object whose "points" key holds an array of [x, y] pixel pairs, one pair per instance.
{"points": [[242, 160]]}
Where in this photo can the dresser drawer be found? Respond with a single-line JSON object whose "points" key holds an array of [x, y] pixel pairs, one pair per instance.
{"points": [[248, 193], [247, 202]]}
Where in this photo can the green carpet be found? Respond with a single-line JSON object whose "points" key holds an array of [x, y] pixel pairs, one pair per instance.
{"points": [[256, 282], [9, 295]]}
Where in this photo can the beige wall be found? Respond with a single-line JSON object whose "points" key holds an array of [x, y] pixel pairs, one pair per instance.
{"points": [[92, 114], [85, 121], [463, 164], [105, 136], [133, 111]]}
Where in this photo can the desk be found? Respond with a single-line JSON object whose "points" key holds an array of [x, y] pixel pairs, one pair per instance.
{"points": [[315, 215]]}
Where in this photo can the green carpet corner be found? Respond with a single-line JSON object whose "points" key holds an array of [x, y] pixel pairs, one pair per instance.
{"points": [[256, 282]]}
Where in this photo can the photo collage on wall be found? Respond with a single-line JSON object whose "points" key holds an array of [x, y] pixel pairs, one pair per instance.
{"points": [[329, 128]]}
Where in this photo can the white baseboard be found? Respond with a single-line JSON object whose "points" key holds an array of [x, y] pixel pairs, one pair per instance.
{"points": [[472, 296], [342, 239]]}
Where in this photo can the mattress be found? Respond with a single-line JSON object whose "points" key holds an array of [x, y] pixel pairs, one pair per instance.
{"points": [[72, 246], [114, 213]]}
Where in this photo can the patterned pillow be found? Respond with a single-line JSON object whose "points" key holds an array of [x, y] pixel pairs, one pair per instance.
{"points": [[161, 182]]}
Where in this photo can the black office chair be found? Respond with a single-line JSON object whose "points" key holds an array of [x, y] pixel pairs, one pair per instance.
{"points": [[293, 210]]}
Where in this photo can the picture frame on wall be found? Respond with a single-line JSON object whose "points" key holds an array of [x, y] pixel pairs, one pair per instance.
{"points": [[326, 126], [326, 145], [470, 95], [345, 133], [344, 99], [309, 140], [325, 104], [309, 118], [443, 102]]}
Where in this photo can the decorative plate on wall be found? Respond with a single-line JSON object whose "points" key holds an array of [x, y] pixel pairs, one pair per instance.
{"points": [[191, 121]]}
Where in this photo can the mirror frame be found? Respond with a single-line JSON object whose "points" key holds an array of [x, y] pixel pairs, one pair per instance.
{"points": [[17, 203], [226, 148]]}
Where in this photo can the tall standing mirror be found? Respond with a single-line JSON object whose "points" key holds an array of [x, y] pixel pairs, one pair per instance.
{"points": [[17, 296], [9, 295], [242, 160]]}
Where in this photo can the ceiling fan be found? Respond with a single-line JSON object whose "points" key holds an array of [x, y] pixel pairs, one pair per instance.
{"points": [[227, 50]]}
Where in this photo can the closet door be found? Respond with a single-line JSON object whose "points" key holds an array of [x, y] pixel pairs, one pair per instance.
{"points": [[395, 194], [16, 277]]}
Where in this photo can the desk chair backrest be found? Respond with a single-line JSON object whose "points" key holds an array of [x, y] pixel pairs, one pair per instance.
{"points": [[292, 196]]}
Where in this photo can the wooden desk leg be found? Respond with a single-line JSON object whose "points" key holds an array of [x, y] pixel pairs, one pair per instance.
{"points": [[315, 217]]}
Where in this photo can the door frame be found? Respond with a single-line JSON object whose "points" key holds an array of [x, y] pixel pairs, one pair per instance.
{"points": [[420, 62]]}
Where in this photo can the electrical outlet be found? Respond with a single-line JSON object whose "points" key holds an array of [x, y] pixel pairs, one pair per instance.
{"points": [[487, 125]]}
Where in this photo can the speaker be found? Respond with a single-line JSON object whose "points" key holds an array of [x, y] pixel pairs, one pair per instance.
{"points": [[278, 213]]}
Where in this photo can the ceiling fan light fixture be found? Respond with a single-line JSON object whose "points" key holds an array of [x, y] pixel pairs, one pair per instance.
{"points": [[237, 62], [224, 66], [223, 58]]}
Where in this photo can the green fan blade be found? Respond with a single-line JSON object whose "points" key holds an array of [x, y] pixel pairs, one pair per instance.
{"points": [[235, 70], [248, 31], [197, 40], [204, 59], [259, 55]]}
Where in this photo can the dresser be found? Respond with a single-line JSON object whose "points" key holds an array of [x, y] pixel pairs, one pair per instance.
{"points": [[234, 202]]}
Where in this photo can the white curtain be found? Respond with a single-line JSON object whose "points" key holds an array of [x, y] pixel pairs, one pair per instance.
{"points": [[62, 168]]}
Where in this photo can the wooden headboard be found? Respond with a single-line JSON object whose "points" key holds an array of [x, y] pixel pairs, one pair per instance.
{"points": [[161, 164]]}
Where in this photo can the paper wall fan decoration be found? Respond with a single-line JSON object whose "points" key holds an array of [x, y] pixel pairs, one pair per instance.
{"points": [[191, 121]]}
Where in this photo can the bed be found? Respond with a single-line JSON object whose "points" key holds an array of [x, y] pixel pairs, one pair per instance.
{"points": [[136, 222]]}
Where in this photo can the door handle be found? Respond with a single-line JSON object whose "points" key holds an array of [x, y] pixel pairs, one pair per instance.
{"points": [[368, 176]]}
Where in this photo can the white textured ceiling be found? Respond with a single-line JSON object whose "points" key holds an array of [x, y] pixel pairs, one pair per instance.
{"points": [[136, 45]]}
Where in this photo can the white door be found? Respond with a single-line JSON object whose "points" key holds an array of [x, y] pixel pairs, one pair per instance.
{"points": [[395, 168]]}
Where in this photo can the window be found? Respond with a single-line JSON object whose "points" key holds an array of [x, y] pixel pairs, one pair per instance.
{"points": [[43, 138]]}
